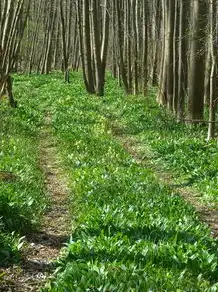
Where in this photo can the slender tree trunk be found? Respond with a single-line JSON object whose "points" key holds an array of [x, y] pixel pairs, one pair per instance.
{"points": [[87, 46], [162, 93], [169, 48], [145, 47], [182, 63], [197, 61], [175, 57], [213, 75], [97, 49], [81, 43], [120, 48], [64, 43]]}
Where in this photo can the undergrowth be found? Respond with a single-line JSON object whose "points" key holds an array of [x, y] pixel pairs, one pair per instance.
{"points": [[181, 149], [22, 198], [130, 232]]}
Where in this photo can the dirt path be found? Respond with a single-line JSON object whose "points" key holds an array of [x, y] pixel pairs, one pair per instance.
{"points": [[144, 156], [44, 246]]}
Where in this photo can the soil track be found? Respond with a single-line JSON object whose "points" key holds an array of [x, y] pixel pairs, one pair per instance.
{"points": [[43, 247], [143, 155]]}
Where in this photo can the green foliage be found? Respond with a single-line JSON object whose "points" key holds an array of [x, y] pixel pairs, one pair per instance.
{"points": [[180, 148], [22, 198], [130, 232], [10, 245]]}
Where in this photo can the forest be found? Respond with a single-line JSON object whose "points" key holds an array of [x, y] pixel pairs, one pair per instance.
{"points": [[108, 145]]}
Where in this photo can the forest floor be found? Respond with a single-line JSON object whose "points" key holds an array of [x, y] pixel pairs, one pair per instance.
{"points": [[143, 155], [142, 190], [44, 245]]}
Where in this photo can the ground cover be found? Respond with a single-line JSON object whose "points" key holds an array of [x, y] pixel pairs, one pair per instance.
{"points": [[179, 148], [131, 233], [22, 198], [42, 216]]}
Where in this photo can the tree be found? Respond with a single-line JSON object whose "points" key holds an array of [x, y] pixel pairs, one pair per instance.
{"points": [[93, 43], [213, 42], [182, 62], [66, 22], [12, 26], [197, 61], [160, 43], [100, 44]]}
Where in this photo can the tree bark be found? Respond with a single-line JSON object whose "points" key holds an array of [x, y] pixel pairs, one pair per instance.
{"points": [[197, 61]]}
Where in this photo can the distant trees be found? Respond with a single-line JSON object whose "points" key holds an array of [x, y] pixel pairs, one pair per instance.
{"points": [[169, 39], [51, 37], [66, 15], [13, 17], [169, 44], [93, 25]]}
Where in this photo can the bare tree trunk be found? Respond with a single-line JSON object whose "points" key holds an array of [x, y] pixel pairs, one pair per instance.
{"points": [[120, 47], [105, 40], [34, 38], [97, 48], [81, 43], [145, 47], [47, 61], [197, 61], [162, 94], [175, 57], [87, 46], [213, 75], [64, 43], [182, 66], [10, 38], [169, 48], [135, 37], [129, 8]]}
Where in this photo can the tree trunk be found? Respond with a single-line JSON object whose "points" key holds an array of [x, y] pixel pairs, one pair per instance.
{"points": [[213, 76], [182, 63], [197, 61], [87, 46]]}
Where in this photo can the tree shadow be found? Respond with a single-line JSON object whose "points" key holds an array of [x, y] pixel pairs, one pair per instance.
{"points": [[153, 234], [181, 185], [42, 239], [37, 266], [165, 258], [47, 239]]}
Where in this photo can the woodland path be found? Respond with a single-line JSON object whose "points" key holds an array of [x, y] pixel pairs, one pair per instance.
{"points": [[143, 155], [43, 247]]}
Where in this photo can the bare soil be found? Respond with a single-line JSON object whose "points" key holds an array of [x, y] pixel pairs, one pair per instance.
{"points": [[43, 247], [6, 176]]}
